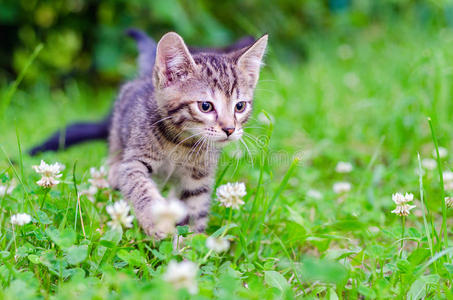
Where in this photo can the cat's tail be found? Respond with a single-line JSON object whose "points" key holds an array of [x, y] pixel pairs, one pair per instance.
{"points": [[74, 134], [146, 51]]}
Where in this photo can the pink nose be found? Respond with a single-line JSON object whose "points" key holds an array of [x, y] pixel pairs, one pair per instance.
{"points": [[228, 130]]}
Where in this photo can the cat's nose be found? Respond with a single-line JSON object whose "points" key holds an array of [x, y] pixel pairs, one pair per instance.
{"points": [[228, 130]]}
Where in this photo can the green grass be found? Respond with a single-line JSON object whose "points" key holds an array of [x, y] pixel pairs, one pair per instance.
{"points": [[371, 110]]}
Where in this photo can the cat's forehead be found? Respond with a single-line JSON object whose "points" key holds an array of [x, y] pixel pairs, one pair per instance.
{"points": [[219, 72]]}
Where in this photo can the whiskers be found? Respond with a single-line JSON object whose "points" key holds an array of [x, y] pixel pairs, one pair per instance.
{"points": [[251, 145], [176, 146], [161, 120], [201, 153]]}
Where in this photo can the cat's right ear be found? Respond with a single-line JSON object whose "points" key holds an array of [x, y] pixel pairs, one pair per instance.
{"points": [[173, 60]]}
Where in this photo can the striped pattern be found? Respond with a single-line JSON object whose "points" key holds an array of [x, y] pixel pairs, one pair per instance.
{"points": [[158, 131]]}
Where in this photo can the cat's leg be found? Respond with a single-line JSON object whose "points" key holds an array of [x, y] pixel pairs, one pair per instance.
{"points": [[114, 165], [196, 188], [114, 161], [139, 189]]}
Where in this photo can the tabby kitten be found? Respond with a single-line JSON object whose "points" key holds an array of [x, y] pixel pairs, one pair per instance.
{"points": [[173, 125]]}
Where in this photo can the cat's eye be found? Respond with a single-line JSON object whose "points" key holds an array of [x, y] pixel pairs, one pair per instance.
{"points": [[205, 106], [240, 106]]}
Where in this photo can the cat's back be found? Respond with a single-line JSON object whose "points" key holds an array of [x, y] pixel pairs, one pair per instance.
{"points": [[134, 107]]}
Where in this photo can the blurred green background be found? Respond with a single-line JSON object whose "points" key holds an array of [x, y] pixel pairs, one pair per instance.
{"points": [[84, 39], [344, 81]]}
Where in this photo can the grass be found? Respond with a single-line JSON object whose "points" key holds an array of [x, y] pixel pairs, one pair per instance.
{"points": [[369, 108]]}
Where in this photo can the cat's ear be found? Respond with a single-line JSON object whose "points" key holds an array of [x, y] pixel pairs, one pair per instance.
{"points": [[250, 59], [173, 60]]}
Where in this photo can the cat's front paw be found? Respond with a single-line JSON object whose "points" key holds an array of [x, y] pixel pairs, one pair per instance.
{"points": [[157, 235], [161, 217]]}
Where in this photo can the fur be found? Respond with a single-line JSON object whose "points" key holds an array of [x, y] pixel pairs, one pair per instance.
{"points": [[159, 131]]}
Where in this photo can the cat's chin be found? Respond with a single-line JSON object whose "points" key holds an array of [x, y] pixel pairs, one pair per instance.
{"points": [[225, 141]]}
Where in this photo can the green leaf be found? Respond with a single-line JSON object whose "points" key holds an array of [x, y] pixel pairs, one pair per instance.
{"points": [[76, 272], [297, 218], [43, 218], [276, 280], [449, 267], [417, 290], [76, 254], [133, 258], [63, 239], [111, 238], [403, 266], [4, 254], [34, 259], [369, 293], [183, 230], [332, 294], [24, 250], [420, 286], [157, 254], [166, 248], [227, 227]]}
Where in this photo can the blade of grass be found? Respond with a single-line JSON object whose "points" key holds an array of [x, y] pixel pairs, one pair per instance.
{"points": [[21, 165], [425, 222], [12, 89], [272, 201], [219, 179], [26, 193], [441, 179], [78, 206], [370, 164], [283, 184], [263, 158], [293, 266]]}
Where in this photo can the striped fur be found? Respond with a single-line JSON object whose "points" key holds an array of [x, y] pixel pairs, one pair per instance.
{"points": [[159, 131]]}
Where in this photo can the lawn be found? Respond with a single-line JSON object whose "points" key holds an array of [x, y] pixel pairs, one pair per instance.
{"points": [[362, 98]]}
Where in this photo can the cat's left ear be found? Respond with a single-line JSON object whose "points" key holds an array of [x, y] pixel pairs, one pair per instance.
{"points": [[250, 60]]}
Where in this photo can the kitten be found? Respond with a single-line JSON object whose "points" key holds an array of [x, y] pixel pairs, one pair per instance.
{"points": [[87, 131], [172, 125]]}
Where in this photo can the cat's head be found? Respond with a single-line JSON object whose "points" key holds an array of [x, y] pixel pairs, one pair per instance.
{"points": [[206, 94]]}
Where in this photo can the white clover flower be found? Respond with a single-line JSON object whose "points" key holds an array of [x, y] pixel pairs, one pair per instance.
{"points": [[119, 212], [7, 189], [182, 275], [90, 193], [343, 167], [98, 178], [341, 187], [20, 219], [449, 202], [400, 199], [443, 152], [217, 244], [403, 210], [409, 197], [315, 194], [345, 52], [49, 173], [402, 206], [166, 214], [429, 163], [230, 194]]}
